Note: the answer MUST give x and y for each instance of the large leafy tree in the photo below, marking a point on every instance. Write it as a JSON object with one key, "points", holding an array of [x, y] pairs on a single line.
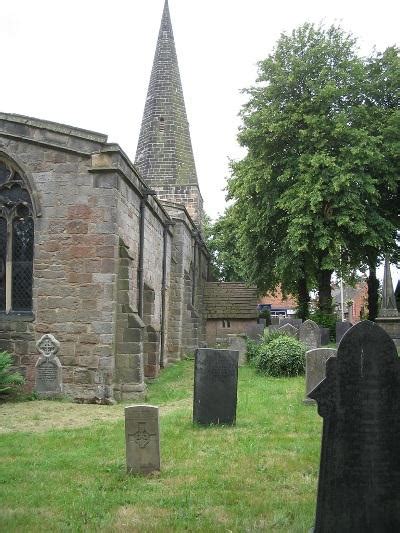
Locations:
{"points": [[306, 194]]}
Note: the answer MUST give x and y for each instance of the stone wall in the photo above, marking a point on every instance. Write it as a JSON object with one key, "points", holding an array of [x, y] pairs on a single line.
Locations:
{"points": [[86, 259]]}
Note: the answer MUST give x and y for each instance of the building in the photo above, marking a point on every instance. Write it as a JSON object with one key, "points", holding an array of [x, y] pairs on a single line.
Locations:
{"points": [[105, 255]]}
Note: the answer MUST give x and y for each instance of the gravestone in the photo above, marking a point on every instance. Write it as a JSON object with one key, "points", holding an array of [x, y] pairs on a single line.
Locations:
{"points": [[215, 386], [310, 334], [296, 322], [238, 343], [325, 336], [290, 330], [272, 328], [274, 320], [254, 331], [316, 368], [341, 329], [359, 400], [142, 439], [48, 370]]}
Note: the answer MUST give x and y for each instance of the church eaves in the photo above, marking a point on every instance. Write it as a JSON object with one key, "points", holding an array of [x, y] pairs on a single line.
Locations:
{"points": [[164, 154]]}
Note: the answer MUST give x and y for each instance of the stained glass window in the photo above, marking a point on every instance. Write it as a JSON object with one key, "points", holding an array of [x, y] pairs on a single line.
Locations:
{"points": [[16, 242]]}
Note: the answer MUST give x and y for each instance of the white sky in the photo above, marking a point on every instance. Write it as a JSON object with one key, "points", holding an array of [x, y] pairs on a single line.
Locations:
{"points": [[87, 63]]}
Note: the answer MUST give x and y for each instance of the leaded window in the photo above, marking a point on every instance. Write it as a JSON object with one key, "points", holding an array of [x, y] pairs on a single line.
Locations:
{"points": [[16, 242]]}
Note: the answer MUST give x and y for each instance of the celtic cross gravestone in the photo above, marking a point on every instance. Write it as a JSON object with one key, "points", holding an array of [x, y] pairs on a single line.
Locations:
{"points": [[48, 367], [142, 437]]}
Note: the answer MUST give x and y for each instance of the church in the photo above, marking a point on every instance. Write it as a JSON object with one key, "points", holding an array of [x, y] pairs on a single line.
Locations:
{"points": [[105, 254]]}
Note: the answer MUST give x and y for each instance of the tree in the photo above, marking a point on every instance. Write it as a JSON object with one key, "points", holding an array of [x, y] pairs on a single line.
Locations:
{"points": [[305, 193]]}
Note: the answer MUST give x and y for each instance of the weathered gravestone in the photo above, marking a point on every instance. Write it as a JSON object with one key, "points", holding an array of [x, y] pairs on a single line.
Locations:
{"points": [[142, 438], [48, 368], [316, 368], [296, 322], [238, 343], [325, 336], [310, 334], [341, 329], [272, 328], [215, 386], [290, 330], [359, 400]]}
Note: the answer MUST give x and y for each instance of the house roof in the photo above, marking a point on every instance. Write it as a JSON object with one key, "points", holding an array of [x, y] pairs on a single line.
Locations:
{"points": [[230, 300], [278, 302]]}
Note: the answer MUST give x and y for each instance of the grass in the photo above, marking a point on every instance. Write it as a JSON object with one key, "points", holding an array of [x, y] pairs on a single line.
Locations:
{"points": [[260, 475]]}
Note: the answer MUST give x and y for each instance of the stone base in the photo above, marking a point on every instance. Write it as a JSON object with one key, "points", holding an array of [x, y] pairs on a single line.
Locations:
{"points": [[309, 401], [392, 327]]}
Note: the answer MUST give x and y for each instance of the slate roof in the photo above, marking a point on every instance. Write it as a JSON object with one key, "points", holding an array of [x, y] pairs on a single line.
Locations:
{"points": [[230, 300]]}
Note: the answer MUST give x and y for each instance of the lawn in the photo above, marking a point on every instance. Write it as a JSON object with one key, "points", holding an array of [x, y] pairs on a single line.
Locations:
{"points": [[63, 465]]}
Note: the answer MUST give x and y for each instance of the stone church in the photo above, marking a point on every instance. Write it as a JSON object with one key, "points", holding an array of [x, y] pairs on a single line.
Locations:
{"points": [[104, 254]]}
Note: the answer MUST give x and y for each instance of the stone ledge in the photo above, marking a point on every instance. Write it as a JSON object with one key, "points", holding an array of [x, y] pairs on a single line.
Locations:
{"points": [[17, 317]]}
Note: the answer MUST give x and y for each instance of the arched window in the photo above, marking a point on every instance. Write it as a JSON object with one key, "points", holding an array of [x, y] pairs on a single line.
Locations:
{"points": [[16, 241]]}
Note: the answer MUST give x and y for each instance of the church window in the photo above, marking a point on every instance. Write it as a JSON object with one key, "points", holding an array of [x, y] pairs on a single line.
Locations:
{"points": [[16, 242]]}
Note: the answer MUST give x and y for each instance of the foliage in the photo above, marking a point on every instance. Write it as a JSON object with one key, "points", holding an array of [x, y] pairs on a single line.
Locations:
{"points": [[9, 380], [266, 314], [316, 189], [282, 356], [222, 242], [325, 321]]}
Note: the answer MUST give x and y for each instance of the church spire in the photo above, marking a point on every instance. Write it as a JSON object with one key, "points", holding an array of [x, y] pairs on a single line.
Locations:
{"points": [[164, 154], [389, 307]]}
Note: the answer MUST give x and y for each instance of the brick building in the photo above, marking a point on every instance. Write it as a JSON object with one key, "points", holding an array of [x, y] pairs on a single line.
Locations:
{"points": [[105, 255]]}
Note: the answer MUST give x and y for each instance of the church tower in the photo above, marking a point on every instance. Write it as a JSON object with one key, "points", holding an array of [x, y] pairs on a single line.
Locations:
{"points": [[164, 154]]}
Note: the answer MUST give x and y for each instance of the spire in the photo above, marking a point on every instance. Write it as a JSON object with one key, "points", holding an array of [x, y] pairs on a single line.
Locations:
{"points": [[164, 154], [389, 307]]}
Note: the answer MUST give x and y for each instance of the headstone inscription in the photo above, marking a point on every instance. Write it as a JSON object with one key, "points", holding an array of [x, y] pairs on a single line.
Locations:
{"points": [[48, 368], [142, 438], [290, 330], [341, 329], [215, 386], [359, 400], [316, 368], [310, 334], [238, 342]]}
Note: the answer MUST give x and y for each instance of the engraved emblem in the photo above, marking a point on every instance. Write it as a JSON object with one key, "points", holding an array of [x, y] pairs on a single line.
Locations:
{"points": [[48, 346], [142, 437]]}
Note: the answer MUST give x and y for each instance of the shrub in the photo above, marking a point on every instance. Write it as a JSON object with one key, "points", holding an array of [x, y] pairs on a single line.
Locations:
{"points": [[9, 380], [252, 351], [282, 356], [326, 321]]}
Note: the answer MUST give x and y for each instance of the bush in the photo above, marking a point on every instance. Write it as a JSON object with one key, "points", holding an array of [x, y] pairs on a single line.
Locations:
{"points": [[252, 351], [326, 321], [265, 313], [281, 356], [9, 380]]}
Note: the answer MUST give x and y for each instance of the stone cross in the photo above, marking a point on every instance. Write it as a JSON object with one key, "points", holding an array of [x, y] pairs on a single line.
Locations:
{"points": [[315, 368], [215, 386], [310, 334], [48, 368], [142, 438], [290, 330], [359, 400]]}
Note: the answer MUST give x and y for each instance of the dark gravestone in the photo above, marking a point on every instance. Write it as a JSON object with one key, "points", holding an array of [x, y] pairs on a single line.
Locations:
{"points": [[215, 386], [325, 336], [341, 329], [359, 400]]}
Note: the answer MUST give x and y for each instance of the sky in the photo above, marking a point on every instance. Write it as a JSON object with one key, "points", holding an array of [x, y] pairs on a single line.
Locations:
{"points": [[87, 63]]}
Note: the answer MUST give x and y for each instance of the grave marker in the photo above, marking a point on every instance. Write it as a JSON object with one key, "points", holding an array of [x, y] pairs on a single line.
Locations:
{"points": [[341, 329], [310, 334], [215, 386], [48, 367], [238, 343], [316, 368], [359, 400], [290, 330], [142, 439]]}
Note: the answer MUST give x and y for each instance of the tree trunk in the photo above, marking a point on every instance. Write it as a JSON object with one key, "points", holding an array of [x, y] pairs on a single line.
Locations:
{"points": [[303, 299], [373, 286], [325, 291]]}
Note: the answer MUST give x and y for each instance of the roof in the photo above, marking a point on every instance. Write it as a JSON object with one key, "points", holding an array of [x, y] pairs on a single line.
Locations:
{"points": [[230, 300], [278, 302]]}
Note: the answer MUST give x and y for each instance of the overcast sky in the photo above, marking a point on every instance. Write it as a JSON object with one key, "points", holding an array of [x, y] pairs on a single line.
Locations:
{"points": [[87, 63]]}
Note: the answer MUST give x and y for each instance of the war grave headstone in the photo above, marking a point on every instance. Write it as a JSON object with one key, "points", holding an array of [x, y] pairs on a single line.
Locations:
{"points": [[341, 329], [310, 334], [238, 342], [215, 386], [296, 322], [142, 438], [325, 336], [359, 401], [316, 368], [290, 330], [48, 370]]}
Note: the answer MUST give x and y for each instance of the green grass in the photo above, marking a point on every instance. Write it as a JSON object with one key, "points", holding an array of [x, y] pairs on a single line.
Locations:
{"points": [[260, 475]]}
